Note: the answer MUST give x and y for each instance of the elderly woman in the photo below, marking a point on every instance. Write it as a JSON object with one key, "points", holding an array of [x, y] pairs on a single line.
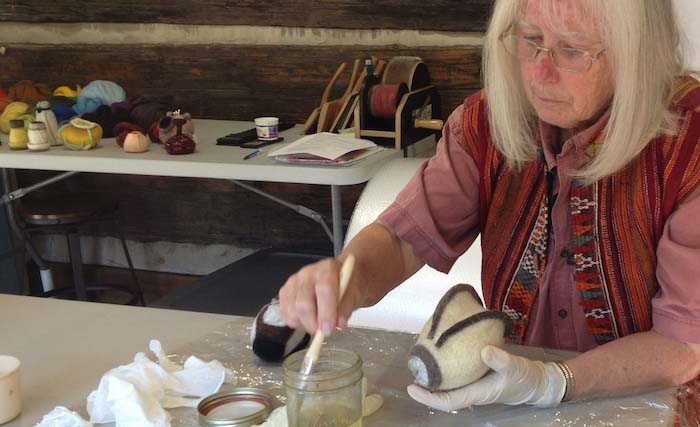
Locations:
{"points": [[579, 164]]}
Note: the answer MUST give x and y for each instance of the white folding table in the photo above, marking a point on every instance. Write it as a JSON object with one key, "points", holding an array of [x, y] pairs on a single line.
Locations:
{"points": [[66, 346], [209, 161]]}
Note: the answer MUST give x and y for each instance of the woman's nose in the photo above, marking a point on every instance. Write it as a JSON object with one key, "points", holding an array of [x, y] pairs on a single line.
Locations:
{"points": [[543, 67]]}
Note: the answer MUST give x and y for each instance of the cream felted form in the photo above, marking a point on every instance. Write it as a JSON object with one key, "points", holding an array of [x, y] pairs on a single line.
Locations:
{"points": [[447, 354], [46, 115]]}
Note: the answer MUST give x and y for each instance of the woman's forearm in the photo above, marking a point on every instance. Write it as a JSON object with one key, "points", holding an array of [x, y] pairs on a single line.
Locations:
{"points": [[384, 260], [636, 362]]}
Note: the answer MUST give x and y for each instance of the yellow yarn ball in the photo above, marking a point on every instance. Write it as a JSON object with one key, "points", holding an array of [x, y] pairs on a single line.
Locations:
{"points": [[67, 91], [11, 112], [80, 134]]}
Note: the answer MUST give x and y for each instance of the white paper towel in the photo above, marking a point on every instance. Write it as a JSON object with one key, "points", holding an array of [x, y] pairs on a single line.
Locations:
{"points": [[63, 417], [137, 394]]}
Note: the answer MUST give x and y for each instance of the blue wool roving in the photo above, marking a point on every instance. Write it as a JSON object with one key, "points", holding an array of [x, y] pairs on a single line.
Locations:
{"points": [[63, 113], [96, 93]]}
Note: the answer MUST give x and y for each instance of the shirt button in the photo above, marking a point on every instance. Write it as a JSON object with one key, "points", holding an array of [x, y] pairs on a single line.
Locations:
{"points": [[563, 313], [569, 256]]}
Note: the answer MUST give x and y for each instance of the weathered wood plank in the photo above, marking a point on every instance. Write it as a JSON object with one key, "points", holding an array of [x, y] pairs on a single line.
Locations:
{"points": [[229, 82], [442, 15], [223, 82]]}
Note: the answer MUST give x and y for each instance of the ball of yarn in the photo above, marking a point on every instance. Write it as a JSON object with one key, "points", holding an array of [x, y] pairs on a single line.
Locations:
{"points": [[66, 91], [79, 134], [107, 118], [96, 93], [4, 102], [29, 92], [147, 109], [121, 129], [154, 132], [63, 113], [123, 105], [11, 112], [63, 100]]}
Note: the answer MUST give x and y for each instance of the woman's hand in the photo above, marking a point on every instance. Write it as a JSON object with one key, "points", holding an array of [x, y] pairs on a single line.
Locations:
{"points": [[309, 298], [513, 381]]}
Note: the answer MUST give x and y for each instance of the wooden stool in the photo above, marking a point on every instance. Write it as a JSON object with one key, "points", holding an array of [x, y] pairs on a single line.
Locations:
{"points": [[68, 214]]}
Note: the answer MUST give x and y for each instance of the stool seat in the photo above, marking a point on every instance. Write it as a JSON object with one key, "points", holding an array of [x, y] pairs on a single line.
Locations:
{"points": [[65, 209], [68, 214]]}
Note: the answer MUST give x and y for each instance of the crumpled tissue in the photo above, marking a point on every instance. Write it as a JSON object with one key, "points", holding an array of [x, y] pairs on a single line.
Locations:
{"points": [[137, 394], [63, 417]]}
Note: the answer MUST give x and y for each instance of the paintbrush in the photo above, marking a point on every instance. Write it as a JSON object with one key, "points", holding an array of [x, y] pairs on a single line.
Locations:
{"points": [[312, 353]]}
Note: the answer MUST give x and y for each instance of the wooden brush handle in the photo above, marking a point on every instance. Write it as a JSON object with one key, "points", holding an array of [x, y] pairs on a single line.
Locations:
{"points": [[434, 124], [315, 348]]}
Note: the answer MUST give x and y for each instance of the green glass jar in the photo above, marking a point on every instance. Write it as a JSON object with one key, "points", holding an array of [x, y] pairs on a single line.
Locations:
{"points": [[331, 396]]}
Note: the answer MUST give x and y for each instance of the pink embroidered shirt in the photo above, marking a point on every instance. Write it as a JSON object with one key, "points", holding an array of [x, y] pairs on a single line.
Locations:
{"points": [[438, 215]]}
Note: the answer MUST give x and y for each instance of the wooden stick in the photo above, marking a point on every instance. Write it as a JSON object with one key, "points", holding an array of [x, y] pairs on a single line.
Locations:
{"points": [[312, 353]]}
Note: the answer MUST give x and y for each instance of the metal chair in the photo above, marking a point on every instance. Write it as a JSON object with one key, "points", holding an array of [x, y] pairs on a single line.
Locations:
{"points": [[70, 214]]}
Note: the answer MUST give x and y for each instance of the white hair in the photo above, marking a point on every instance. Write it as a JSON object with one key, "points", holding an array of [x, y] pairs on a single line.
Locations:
{"points": [[643, 47]]}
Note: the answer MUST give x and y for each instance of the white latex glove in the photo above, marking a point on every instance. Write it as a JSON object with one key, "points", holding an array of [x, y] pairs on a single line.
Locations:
{"points": [[513, 381]]}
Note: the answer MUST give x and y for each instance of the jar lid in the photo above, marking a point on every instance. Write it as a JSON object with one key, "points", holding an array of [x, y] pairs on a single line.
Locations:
{"points": [[240, 407]]}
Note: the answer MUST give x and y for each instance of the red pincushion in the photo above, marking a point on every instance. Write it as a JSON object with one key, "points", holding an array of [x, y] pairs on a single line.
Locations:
{"points": [[180, 144]]}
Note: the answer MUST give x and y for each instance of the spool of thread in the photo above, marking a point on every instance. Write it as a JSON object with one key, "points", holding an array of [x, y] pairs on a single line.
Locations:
{"points": [[38, 137], [18, 135], [384, 99]]}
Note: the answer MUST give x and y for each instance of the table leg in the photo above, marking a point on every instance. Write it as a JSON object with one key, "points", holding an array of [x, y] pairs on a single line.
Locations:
{"points": [[76, 260], [310, 213], [7, 199], [337, 216]]}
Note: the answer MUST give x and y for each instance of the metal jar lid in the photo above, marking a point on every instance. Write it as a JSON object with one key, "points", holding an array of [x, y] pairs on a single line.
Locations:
{"points": [[241, 407]]}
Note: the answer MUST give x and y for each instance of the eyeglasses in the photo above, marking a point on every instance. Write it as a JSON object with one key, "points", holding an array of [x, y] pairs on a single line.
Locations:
{"points": [[564, 58]]}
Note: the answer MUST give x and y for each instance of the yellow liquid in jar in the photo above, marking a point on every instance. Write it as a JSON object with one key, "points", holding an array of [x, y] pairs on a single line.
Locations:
{"points": [[329, 416]]}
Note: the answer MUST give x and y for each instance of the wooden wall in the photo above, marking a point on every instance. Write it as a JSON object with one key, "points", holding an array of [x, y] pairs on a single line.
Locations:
{"points": [[233, 81], [442, 15]]}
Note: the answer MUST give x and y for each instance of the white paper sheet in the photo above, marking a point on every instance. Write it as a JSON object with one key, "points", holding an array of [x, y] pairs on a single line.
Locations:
{"points": [[324, 144]]}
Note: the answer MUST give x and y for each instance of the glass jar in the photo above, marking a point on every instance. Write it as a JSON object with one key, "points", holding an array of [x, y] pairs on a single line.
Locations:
{"points": [[331, 396]]}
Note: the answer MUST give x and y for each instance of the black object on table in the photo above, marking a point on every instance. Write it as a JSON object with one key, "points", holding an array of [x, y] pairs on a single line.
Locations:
{"points": [[249, 135]]}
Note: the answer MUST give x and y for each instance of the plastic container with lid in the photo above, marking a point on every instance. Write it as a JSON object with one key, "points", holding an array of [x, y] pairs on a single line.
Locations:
{"points": [[331, 396]]}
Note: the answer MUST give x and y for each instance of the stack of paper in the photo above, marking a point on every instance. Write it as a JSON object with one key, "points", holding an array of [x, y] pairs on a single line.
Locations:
{"points": [[326, 148]]}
